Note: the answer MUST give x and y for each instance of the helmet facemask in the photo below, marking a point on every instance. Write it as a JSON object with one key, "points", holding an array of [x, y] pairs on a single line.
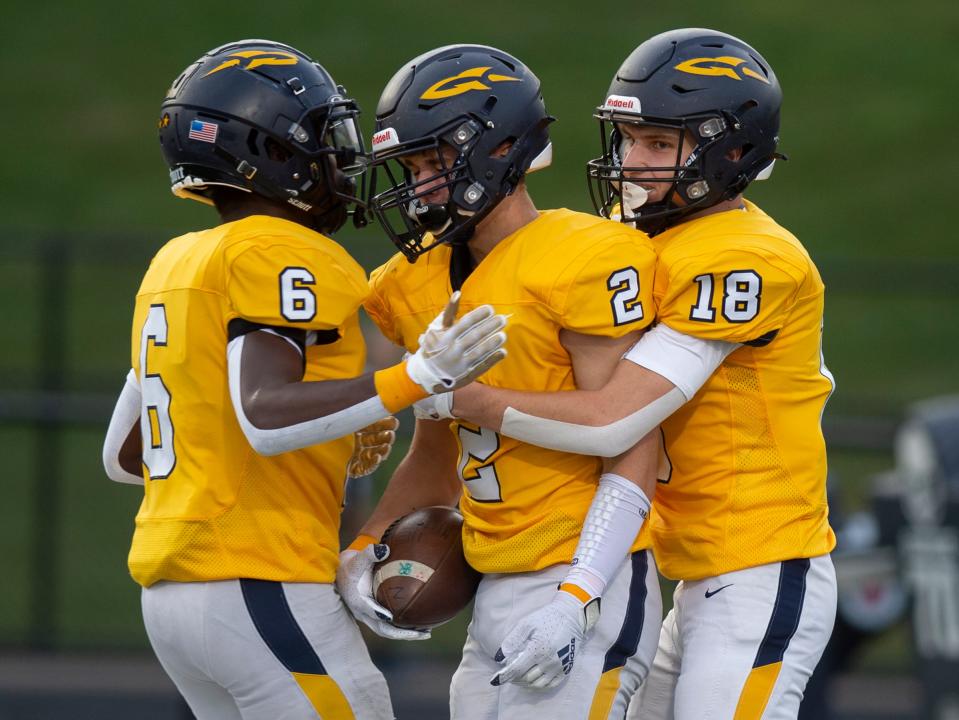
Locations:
{"points": [[469, 171], [617, 189], [408, 209], [337, 167]]}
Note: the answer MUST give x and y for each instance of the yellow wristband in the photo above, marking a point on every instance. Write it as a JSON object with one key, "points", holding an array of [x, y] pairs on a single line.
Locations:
{"points": [[396, 389], [576, 591], [361, 542]]}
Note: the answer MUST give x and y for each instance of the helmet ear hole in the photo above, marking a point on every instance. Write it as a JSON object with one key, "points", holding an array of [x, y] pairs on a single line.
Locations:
{"points": [[251, 142], [276, 152], [503, 148], [737, 153]]}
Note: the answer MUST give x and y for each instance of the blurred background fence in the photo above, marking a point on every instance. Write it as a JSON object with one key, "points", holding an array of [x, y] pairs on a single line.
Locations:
{"points": [[868, 122]]}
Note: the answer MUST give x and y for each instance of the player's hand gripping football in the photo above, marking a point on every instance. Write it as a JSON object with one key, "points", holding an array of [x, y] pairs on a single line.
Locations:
{"points": [[454, 352], [539, 652], [372, 445], [354, 582]]}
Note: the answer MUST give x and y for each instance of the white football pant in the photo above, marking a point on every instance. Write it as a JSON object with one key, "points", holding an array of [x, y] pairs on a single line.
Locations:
{"points": [[607, 670], [261, 650], [742, 645]]}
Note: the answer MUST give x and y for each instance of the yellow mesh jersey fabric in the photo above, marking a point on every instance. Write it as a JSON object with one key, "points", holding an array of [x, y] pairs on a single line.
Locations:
{"points": [[748, 461], [523, 505], [224, 511]]}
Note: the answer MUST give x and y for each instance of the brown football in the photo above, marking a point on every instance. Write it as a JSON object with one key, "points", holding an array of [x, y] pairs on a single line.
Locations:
{"points": [[426, 580]]}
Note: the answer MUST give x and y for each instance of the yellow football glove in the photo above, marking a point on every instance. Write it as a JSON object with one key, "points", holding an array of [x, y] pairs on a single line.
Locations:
{"points": [[372, 446]]}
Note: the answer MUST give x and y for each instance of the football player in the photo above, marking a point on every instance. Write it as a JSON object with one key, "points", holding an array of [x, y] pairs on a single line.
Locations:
{"points": [[733, 370], [247, 388], [457, 131]]}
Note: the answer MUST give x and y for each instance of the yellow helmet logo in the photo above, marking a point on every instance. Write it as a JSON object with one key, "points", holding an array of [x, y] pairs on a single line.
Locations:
{"points": [[257, 58], [464, 82], [726, 65]]}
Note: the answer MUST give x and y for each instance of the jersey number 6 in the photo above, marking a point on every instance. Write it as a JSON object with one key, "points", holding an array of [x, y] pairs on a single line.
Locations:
{"points": [[156, 427]]}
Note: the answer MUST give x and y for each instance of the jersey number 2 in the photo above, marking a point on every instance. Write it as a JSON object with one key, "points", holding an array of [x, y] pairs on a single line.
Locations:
{"points": [[479, 445], [627, 307], [156, 427]]}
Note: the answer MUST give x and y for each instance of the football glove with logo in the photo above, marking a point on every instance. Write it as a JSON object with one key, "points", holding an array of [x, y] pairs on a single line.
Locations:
{"points": [[539, 652], [354, 582], [454, 353]]}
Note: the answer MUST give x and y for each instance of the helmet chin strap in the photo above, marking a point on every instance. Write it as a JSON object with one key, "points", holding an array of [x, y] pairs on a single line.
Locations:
{"points": [[433, 217]]}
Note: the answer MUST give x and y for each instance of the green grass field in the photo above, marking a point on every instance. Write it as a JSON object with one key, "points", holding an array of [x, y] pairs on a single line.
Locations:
{"points": [[867, 124]]}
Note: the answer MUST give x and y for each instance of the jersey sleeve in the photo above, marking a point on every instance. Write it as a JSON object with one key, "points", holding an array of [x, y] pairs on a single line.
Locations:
{"points": [[294, 286], [378, 308], [735, 295], [607, 290]]}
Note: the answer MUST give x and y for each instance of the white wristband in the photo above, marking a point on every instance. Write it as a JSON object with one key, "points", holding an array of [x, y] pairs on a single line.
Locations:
{"points": [[615, 518]]}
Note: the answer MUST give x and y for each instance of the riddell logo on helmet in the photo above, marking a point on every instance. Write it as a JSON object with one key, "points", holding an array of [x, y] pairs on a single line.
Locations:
{"points": [[622, 102], [725, 66], [258, 57], [385, 138], [449, 87]]}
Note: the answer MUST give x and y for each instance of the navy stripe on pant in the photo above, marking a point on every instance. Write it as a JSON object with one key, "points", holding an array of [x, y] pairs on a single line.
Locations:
{"points": [[786, 612], [629, 635], [274, 620]]}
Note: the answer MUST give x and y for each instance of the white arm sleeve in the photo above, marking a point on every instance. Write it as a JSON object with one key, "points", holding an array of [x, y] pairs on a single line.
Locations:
{"points": [[685, 361], [311, 432], [616, 514], [126, 416]]}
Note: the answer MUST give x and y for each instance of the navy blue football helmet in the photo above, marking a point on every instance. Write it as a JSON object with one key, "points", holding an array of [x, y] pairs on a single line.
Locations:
{"points": [[707, 86], [475, 104], [262, 117]]}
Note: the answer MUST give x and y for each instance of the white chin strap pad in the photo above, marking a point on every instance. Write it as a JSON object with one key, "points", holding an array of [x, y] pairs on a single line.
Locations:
{"points": [[634, 196]]}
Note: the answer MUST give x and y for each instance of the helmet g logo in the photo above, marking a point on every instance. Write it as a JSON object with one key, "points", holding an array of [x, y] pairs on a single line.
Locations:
{"points": [[725, 65], [261, 57], [459, 84]]}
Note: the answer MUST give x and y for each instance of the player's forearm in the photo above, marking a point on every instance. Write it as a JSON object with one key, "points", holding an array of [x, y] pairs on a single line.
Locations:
{"points": [[410, 489], [121, 447], [279, 412], [604, 422], [425, 477], [297, 402], [486, 406], [639, 464]]}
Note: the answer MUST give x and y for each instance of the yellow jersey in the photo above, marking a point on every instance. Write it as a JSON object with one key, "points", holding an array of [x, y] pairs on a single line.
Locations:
{"points": [[746, 459], [524, 506], [213, 508]]}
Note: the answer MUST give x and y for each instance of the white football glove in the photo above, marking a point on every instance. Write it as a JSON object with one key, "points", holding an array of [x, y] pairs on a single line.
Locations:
{"points": [[434, 407], [452, 352], [354, 581], [539, 652], [372, 445]]}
